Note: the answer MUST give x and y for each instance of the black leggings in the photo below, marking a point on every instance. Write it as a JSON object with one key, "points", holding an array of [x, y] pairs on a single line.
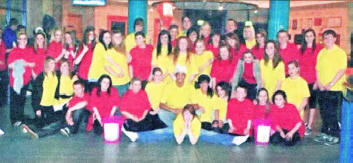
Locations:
{"points": [[151, 122], [276, 138]]}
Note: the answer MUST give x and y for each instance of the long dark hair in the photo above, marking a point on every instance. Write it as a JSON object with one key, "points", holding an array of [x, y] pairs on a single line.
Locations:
{"points": [[85, 36], [204, 78], [210, 41], [263, 33], [159, 43], [99, 84], [267, 101], [75, 42], [234, 37], [276, 58], [100, 38], [305, 44], [226, 87], [35, 46]]}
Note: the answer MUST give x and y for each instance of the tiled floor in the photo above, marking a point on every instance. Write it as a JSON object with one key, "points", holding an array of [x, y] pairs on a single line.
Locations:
{"points": [[86, 147]]}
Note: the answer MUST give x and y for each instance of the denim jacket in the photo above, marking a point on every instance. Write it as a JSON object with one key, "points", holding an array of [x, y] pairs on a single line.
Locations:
{"points": [[240, 70]]}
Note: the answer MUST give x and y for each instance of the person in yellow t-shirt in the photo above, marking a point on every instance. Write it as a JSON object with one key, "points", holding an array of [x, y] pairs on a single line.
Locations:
{"points": [[155, 88], [272, 68], [182, 56], [130, 41], [330, 68], [187, 123], [100, 51], [203, 59], [249, 35], [116, 63], [66, 81], [175, 96], [162, 55], [296, 88], [223, 91], [204, 98]]}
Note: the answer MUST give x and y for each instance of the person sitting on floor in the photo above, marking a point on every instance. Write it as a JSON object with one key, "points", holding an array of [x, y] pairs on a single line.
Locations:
{"points": [[187, 123]]}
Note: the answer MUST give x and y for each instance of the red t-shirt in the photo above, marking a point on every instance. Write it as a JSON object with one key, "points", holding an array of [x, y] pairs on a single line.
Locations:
{"points": [[214, 50], [25, 54], [141, 61], [105, 102], [288, 54], [85, 63], [286, 117], [2, 56], [135, 103], [174, 42], [307, 63], [240, 112], [40, 56], [206, 39], [222, 70], [71, 58], [260, 112], [258, 52], [236, 54], [55, 49], [248, 74], [75, 100]]}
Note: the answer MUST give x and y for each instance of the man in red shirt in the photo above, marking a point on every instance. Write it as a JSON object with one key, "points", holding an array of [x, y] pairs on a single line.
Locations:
{"points": [[287, 50], [239, 112], [76, 112], [141, 58]]}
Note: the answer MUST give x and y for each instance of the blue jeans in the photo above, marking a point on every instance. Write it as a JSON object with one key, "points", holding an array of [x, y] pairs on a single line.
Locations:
{"points": [[216, 138], [155, 135], [122, 88], [167, 117]]}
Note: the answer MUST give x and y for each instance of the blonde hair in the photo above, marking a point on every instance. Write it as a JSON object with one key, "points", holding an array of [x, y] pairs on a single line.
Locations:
{"points": [[52, 34], [252, 31]]}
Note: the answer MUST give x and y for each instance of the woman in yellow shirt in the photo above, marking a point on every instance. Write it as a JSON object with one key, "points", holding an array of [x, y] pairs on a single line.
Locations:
{"points": [[99, 53], [272, 68], [182, 56], [65, 87], [223, 90], [155, 88], [187, 123], [162, 54], [203, 59], [116, 63]]}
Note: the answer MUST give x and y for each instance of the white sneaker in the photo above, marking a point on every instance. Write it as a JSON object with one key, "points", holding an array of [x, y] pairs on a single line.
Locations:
{"points": [[17, 124], [132, 135], [2, 132]]}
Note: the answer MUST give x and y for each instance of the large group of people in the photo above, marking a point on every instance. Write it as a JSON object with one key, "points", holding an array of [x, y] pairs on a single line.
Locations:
{"points": [[193, 83]]}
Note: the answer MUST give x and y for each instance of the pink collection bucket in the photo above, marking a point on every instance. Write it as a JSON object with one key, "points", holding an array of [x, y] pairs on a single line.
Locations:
{"points": [[262, 131], [112, 129]]}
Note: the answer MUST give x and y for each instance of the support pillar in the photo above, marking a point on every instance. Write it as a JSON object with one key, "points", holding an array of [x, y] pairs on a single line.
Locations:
{"points": [[137, 9], [278, 17]]}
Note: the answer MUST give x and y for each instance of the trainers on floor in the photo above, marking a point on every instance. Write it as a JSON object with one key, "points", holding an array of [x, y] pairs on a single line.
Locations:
{"points": [[321, 138], [30, 131], [65, 131], [131, 135], [332, 141], [17, 124], [2, 132], [308, 131]]}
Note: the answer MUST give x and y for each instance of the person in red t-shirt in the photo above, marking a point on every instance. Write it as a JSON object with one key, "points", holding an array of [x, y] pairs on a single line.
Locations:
{"points": [[214, 43], [287, 50], [40, 52], [259, 49], [174, 32], [193, 35], [71, 46], [141, 59], [248, 74], [240, 113], [262, 107], [233, 43], [307, 62], [21, 64], [285, 120], [103, 103], [135, 108], [76, 112], [56, 48], [222, 67]]}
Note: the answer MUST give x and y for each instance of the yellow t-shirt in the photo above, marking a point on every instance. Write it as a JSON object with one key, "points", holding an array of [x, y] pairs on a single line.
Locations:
{"points": [[179, 126], [250, 44], [200, 60], [221, 106], [98, 60], [66, 88], [163, 61], [49, 85], [296, 89], [154, 92], [130, 41], [207, 103], [329, 62], [121, 60], [271, 75], [177, 97]]}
